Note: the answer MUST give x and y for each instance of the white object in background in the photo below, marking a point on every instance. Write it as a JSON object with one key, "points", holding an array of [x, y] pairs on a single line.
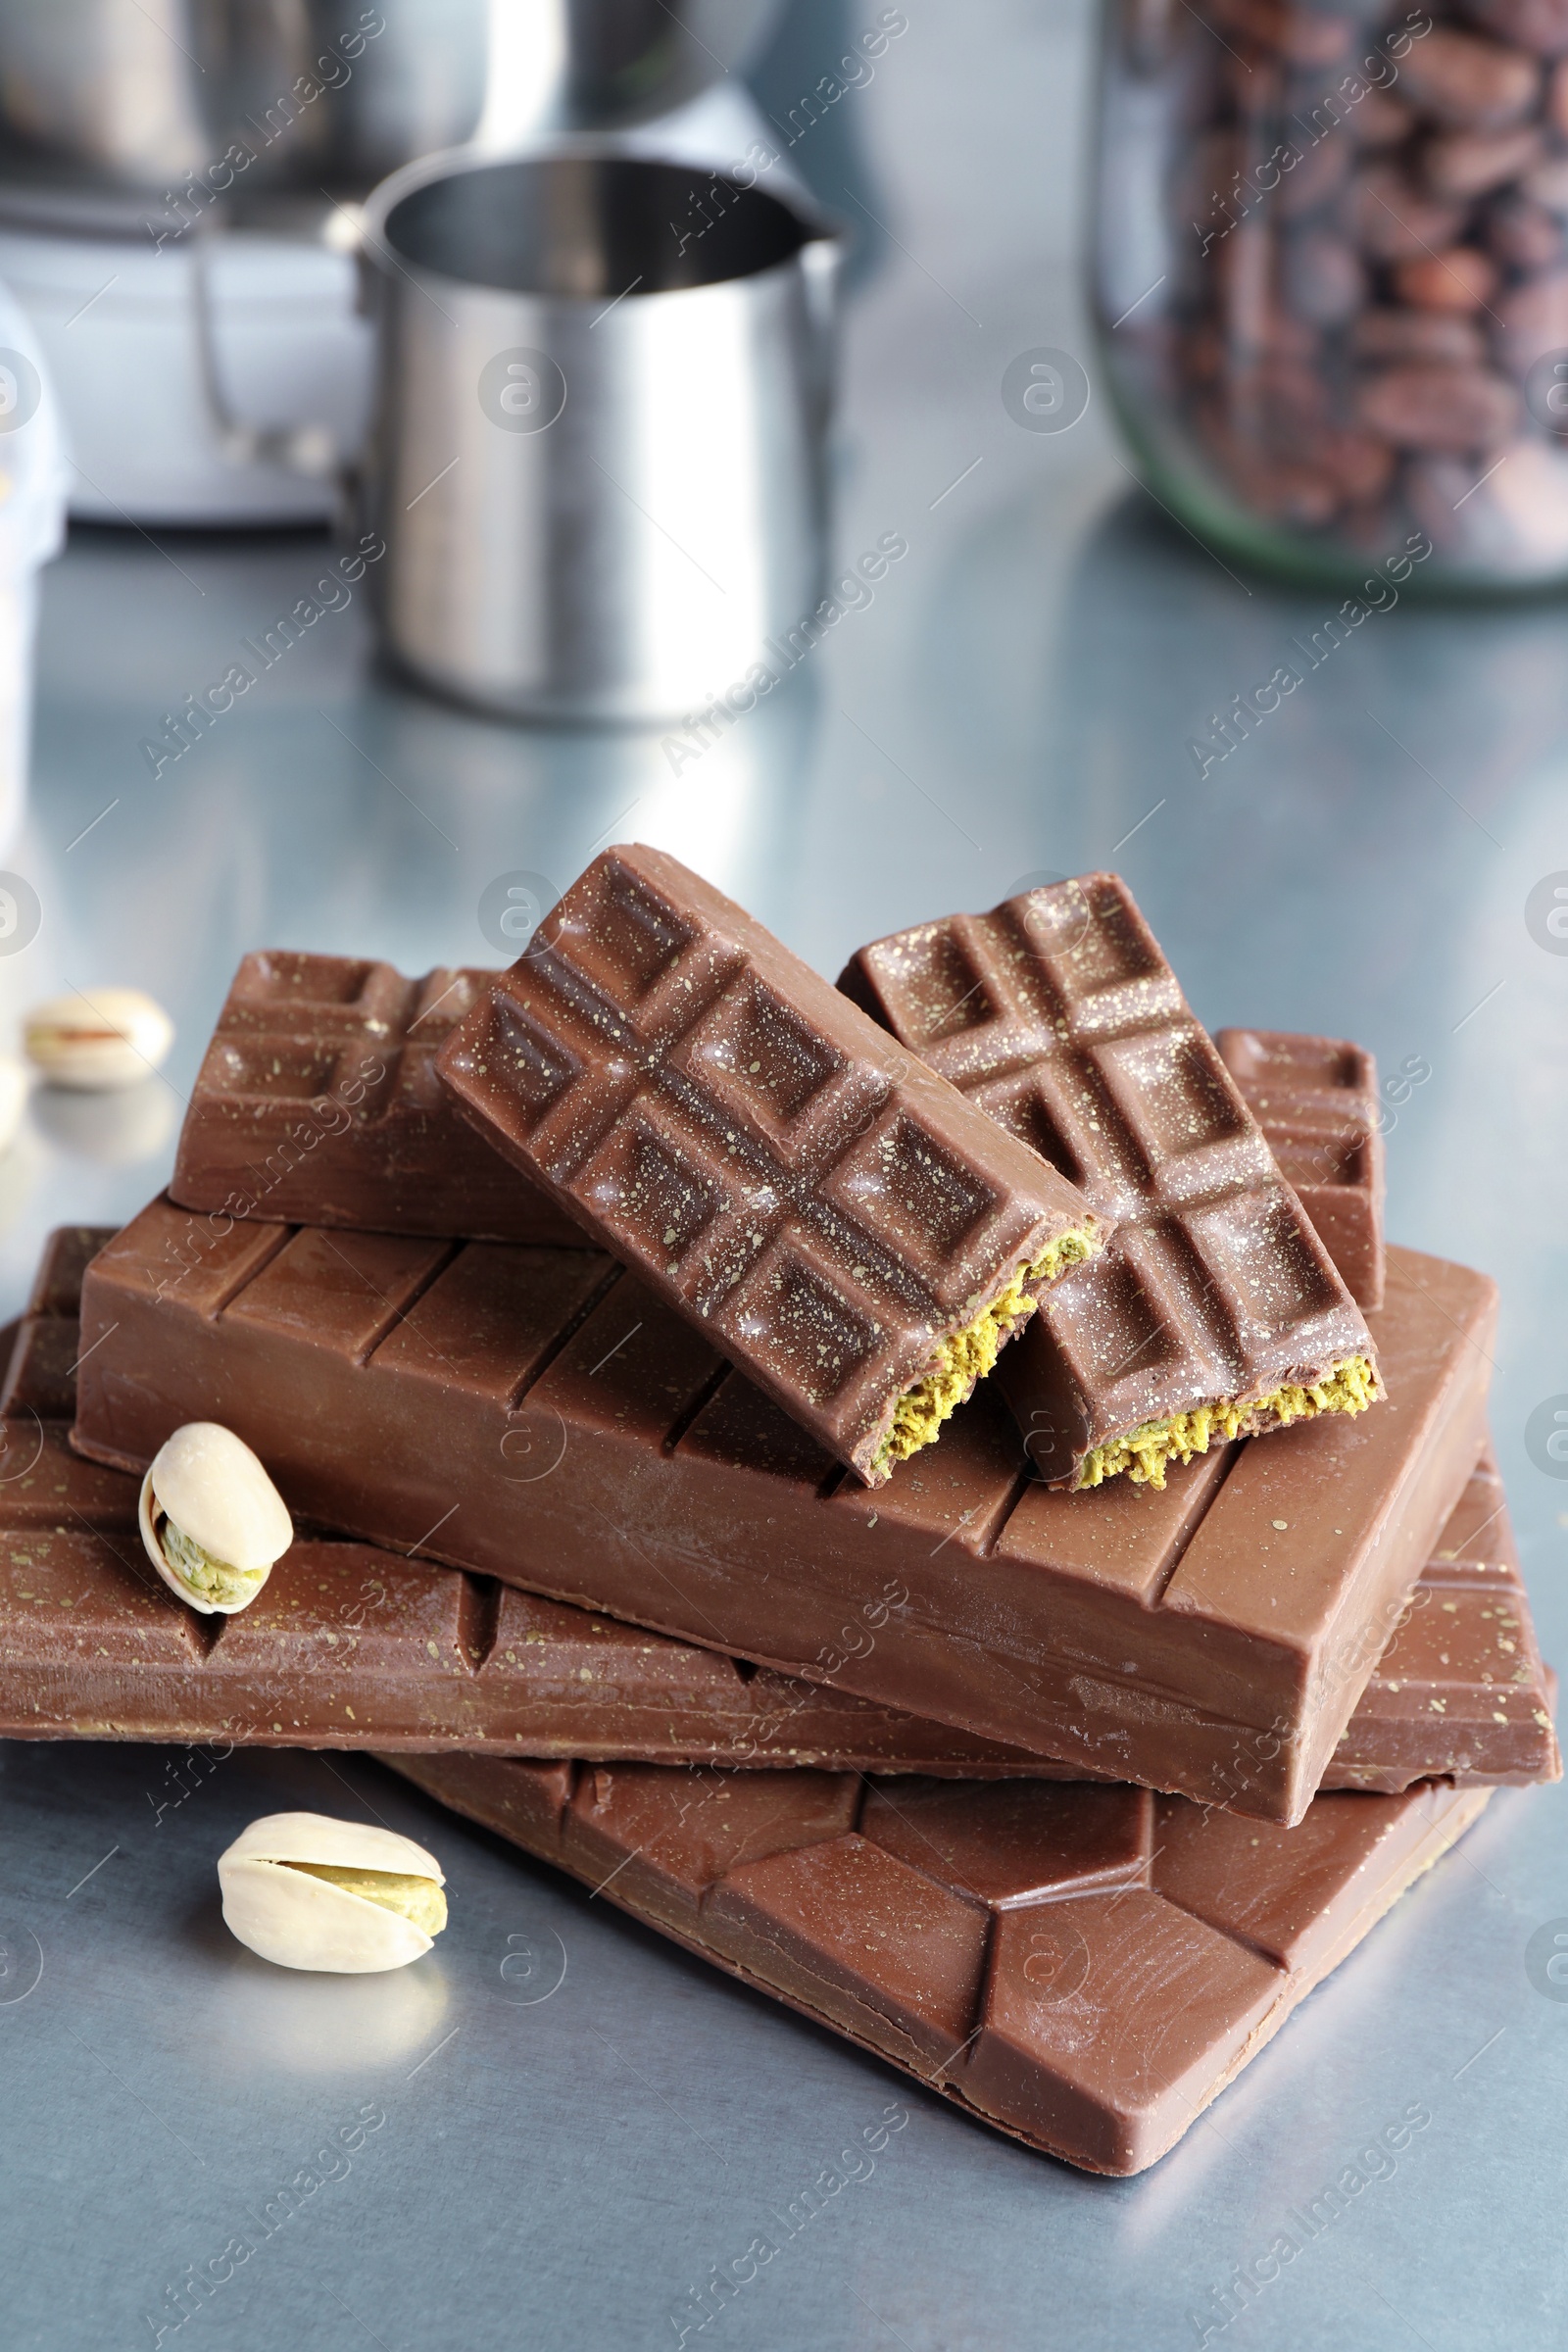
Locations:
{"points": [[119, 326], [32, 515], [95, 1040], [14, 1090]]}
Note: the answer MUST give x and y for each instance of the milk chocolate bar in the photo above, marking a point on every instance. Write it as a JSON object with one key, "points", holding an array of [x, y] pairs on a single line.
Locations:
{"points": [[318, 1098], [1084, 1968], [349, 1646], [1214, 1311], [819, 1206], [1316, 1101], [541, 1417]]}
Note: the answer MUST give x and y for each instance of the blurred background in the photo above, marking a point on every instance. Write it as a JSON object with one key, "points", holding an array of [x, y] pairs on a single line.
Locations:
{"points": [[1029, 662]]}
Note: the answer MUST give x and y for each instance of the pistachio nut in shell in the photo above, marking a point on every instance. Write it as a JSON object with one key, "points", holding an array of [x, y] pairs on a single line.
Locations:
{"points": [[99, 1037], [307, 1892], [213, 1522]]}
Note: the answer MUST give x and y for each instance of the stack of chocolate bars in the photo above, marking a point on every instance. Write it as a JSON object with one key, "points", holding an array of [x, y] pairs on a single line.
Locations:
{"points": [[931, 1492]]}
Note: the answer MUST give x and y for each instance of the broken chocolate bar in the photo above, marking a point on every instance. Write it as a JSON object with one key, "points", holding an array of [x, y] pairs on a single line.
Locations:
{"points": [[540, 1416], [822, 1209], [1316, 1101], [350, 1646], [318, 1098], [1083, 1968], [1214, 1311]]}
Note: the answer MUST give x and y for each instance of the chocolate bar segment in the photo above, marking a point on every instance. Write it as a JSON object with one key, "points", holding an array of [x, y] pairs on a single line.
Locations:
{"points": [[1083, 1968], [349, 1646], [318, 1098], [1316, 1101], [1214, 1311], [539, 1416], [833, 1217]]}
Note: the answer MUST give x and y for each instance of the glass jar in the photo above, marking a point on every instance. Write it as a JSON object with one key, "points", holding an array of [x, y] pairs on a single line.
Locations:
{"points": [[1331, 257]]}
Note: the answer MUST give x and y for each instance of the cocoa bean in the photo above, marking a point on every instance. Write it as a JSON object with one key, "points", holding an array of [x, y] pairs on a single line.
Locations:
{"points": [[1418, 336], [1392, 219], [1523, 235], [1537, 25], [1380, 120], [1460, 279], [1447, 410], [1472, 163], [1472, 83]]}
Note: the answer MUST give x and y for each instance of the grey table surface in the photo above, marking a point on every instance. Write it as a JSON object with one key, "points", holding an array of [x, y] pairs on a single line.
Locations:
{"points": [[1017, 700]]}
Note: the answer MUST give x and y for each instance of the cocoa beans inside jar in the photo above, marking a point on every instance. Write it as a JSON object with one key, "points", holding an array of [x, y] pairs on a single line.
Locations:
{"points": [[1332, 277]]}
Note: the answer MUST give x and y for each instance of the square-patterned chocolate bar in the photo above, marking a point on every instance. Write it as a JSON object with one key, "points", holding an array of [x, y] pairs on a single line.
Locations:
{"points": [[834, 1217], [1316, 1101], [318, 1100], [1216, 1311]]}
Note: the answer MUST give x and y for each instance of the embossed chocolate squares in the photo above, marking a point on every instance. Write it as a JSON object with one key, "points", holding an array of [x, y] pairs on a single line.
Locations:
{"points": [[835, 1219], [1316, 1099], [1214, 1311], [317, 1097]]}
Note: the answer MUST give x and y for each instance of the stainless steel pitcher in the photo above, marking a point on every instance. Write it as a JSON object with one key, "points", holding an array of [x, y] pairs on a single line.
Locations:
{"points": [[598, 458]]}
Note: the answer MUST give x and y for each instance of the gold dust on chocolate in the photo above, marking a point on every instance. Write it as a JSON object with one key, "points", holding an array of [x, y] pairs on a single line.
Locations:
{"points": [[850, 1231], [1214, 1311]]}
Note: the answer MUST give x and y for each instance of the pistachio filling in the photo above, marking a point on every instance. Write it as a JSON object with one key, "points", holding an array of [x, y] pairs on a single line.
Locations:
{"points": [[968, 1356], [213, 1579], [1349, 1387], [420, 1900]]}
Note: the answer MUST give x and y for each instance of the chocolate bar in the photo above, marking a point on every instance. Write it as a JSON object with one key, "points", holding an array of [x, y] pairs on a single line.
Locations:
{"points": [[1215, 1311], [821, 1207], [541, 1417], [318, 1098], [1316, 1101], [1083, 1968], [356, 1646]]}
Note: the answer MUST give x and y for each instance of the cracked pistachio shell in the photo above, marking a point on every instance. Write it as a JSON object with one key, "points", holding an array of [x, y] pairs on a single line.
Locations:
{"points": [[99, 1038], [297, 1921], [211, 1487]]}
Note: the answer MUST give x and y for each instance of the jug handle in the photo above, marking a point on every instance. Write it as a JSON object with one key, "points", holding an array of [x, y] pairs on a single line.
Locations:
{"points": [[303, 448], [821, 262]]}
